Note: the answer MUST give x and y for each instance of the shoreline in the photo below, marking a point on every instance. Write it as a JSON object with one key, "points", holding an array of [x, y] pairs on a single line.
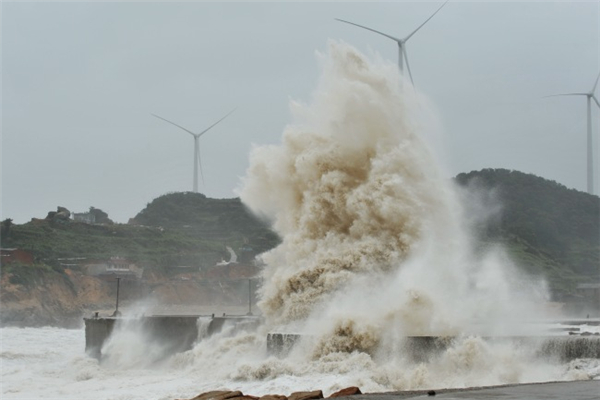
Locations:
{"points": [[588, 389]]}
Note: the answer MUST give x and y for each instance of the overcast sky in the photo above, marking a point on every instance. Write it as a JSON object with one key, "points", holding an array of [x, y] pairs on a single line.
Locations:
{"points": [[80, 81]]}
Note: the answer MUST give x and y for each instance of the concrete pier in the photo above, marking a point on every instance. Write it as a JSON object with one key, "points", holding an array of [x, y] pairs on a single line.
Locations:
{"points": [[97, 330], [178, 333], [175, 333]]}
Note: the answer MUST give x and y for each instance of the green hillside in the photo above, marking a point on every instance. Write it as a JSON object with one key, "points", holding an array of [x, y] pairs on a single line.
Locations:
{"points": [[178, 229], [548, 228], [223, 221]]}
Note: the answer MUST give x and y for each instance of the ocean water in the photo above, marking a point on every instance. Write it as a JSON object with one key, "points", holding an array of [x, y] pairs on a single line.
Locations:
{"points": [[50, 363], [375, 247]]}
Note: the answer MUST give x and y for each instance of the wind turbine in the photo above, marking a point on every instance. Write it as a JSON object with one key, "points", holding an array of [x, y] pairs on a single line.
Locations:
{"points": [[590, 151], [402, 56], [196, 136]]}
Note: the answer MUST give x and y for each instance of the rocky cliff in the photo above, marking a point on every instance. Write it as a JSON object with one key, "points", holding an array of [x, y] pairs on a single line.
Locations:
{"points": [[51, 299], [44, 296]]}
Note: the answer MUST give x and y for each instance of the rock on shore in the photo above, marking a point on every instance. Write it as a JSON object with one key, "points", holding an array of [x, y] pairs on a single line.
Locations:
{"points": [[237, 395]]}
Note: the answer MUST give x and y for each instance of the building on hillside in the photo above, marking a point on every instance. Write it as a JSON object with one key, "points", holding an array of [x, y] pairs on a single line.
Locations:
{"points": [[86, 217], [9, 256], [115, 267]]}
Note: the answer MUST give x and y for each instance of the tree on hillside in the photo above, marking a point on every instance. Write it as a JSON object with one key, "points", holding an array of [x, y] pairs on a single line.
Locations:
{"points": [[227, 221], [100, 216], [6, 227]]}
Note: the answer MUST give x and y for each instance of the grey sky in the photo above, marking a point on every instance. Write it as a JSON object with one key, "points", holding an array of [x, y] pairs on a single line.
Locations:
{"points": [[80, 80]]}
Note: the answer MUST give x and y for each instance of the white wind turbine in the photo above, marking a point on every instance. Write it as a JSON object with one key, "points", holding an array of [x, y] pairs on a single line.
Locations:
{"points": [[590, 150], [196, 136], [402, 56]]}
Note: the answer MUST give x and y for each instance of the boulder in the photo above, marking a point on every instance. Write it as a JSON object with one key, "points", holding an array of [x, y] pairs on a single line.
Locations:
{"points": [[60, 215], [317, 394], [349, 391], [273, 397], [218, 395]]}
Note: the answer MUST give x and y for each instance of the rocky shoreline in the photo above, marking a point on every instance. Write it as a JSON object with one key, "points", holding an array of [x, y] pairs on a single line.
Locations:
{"points": [[237, 395], [576, 390]]}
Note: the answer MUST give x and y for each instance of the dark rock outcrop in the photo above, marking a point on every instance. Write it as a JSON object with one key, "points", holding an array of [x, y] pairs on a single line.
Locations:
{"points": [[237, 395], [314, 395], [218, 395], [273, 397], [349, 391]]}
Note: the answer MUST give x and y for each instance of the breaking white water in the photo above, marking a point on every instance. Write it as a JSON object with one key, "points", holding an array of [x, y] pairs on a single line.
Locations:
{"points": [[374, 241], [50, 363], [374, 248]]}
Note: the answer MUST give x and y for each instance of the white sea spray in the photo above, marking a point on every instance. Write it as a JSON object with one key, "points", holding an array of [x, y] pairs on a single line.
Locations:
{"points": [[374, 243]]}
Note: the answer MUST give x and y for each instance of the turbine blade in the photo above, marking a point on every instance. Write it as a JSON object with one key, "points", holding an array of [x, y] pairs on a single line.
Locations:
{"points": [[427, 20], [408, 65], [369, 29], [596, 100], [207, 129], [173, 123], [595, 84], [567, 94]]}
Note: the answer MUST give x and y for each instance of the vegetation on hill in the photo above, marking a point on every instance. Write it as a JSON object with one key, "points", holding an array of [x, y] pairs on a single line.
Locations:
{"points": [[223, 220], [548, 228], [178, 229]]}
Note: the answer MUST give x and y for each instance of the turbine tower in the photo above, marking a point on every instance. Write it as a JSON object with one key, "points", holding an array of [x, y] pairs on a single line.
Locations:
{"points": [[197, 163], [590, 149], [402, 56]]}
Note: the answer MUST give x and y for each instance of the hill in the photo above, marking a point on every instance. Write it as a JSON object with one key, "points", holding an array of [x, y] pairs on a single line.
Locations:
{"points": [[173, 230], [178, 239], [222, 220], [548, 229]]}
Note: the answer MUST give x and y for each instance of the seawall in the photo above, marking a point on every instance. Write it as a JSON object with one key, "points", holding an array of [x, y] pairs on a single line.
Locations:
{"points": [[421, 348], [176, 333]]}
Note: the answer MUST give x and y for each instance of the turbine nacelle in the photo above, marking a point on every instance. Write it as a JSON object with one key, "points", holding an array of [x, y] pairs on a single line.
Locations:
{"points": [[197, 163], [402, 55], [590, 155]]}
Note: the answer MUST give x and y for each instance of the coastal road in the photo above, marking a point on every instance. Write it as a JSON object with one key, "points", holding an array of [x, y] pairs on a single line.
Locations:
{"points": [[579, 390]]}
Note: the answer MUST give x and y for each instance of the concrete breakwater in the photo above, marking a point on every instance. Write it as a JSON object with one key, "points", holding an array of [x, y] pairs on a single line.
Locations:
{"points": [[421, 348], [175, 333]]}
